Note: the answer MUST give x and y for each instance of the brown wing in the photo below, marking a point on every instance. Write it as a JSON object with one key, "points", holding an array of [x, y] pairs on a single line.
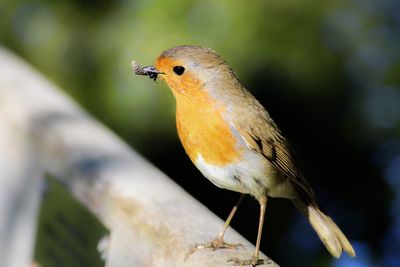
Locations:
{"points": [[261, 134], [273, 147]]}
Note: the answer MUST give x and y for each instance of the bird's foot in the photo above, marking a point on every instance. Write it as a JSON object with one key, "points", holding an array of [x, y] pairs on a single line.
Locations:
{"points": [[217, 243], [254, 261]]}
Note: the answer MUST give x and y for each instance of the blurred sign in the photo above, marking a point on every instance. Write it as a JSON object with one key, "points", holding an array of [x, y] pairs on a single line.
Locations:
{"points": [[68, 234]]}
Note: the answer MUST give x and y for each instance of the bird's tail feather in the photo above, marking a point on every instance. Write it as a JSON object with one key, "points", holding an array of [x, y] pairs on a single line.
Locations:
{"points": [[329, 233]]}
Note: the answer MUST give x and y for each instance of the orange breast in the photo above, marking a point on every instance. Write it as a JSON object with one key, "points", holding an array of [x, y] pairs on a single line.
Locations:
{"points": [[203, 130], [200, 123]]}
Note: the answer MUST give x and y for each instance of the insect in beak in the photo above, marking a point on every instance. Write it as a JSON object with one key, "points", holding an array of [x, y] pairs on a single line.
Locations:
{"points": [[150, 71]]}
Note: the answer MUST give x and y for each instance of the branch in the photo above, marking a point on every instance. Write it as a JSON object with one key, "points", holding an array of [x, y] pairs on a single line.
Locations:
{"points": [[152, 220]]}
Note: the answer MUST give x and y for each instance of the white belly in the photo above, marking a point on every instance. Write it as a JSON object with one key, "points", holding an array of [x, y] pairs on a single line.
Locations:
{"points": [[251, 175]]}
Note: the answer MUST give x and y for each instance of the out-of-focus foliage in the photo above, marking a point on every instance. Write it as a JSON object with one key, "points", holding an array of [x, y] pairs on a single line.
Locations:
{"points": [[86, 48], [328, 72]]}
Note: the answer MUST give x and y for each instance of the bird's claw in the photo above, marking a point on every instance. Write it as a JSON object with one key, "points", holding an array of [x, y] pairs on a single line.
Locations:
{"points": [[214, 245], [220, 244], [252, 262]]}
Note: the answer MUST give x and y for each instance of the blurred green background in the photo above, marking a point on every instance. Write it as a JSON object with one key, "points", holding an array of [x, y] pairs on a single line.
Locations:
{"points": [[327, 71]]}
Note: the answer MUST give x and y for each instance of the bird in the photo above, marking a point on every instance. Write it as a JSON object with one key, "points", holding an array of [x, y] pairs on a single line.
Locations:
{"points": [[233, 141]]}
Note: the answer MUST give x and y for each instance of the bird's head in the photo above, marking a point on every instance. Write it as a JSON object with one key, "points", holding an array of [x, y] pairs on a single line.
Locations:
{"points": [[189, 70]]}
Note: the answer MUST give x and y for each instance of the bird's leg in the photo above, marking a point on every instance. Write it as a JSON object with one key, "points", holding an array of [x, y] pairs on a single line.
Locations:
{"points": [[255, 260], [218, 242]]}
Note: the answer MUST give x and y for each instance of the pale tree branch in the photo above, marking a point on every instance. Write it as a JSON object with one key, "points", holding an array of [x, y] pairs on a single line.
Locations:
{"points": [[152, 220]]}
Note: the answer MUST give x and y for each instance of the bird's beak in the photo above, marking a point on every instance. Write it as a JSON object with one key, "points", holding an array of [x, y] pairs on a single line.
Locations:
{"points": [[151, 69], [152, 72]]}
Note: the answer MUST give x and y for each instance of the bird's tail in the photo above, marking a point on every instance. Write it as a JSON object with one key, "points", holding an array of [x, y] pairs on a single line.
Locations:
{"points": [[329, 233]]}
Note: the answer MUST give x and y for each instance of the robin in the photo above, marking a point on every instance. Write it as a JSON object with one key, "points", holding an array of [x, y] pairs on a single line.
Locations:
{"points": [[234, 142]]}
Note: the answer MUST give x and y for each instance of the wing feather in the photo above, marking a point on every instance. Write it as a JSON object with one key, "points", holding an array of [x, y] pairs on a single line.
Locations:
{"points": [[262, 135]]}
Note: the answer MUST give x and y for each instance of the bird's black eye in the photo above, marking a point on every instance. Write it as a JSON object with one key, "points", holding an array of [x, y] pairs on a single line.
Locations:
{"points": [[179, 70]]}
